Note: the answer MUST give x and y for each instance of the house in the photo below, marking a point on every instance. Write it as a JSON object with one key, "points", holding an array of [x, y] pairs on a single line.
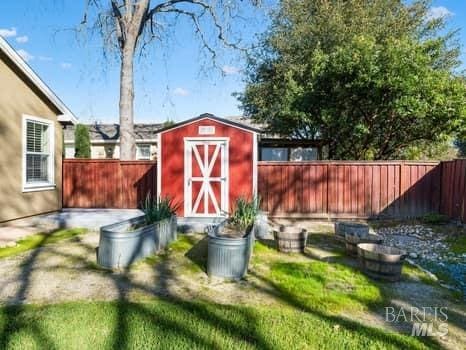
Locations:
{"points": [[105, 140], [31, 121]]}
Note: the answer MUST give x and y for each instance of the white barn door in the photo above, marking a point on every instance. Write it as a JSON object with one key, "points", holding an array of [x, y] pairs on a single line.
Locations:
{"points": [[206, 177]]}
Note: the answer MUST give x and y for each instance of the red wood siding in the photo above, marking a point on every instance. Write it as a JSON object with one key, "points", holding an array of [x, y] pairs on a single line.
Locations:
{"points": [[349, 189], [240, 155], [453, 195], [100, 183]]}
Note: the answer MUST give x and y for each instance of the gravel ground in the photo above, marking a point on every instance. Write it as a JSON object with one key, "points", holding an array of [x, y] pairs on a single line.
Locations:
{"points": [[428, 248]]}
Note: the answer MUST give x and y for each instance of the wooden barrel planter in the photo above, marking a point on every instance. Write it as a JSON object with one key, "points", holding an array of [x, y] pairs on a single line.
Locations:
{"points": [[228, 257], [120, 245], [350, 227], [290, 240], [381, 262], [352, 241]]}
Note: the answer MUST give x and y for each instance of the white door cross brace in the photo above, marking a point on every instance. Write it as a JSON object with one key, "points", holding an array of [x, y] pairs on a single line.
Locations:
{"points": [[206, 165]]}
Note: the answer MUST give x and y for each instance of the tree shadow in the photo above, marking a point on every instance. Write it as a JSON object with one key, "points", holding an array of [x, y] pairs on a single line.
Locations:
{"points": [[164, 281], [198, 253]]}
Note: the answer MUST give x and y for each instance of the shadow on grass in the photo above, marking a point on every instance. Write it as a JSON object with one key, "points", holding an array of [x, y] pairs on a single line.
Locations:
{"points": [[243, 329], [198, 253]]}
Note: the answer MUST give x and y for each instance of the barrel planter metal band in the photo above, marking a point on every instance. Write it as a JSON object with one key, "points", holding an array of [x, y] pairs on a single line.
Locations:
{"points": [[352, 241], [381, 262], [119, 246], [229, 257], [350, 227], [290, 240]]}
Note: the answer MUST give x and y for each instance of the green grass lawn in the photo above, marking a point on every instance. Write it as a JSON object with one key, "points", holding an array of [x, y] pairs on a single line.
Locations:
{"points": [[311, 304], [40, 239], [175, 324]]}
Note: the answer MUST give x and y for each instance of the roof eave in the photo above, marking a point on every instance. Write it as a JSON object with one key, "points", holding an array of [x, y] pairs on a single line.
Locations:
{"points": [[67, 115]]}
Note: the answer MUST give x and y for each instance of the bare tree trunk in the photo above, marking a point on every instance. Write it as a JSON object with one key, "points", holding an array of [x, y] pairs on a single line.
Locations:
{"points": [[127, 140]]}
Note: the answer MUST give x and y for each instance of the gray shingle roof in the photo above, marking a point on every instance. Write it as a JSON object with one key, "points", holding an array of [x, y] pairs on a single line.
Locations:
{"points": [[111, 132]]}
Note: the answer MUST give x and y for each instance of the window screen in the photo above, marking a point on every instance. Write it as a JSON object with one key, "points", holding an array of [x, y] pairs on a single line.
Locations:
{"points": [[38, 151], [143, 151]]}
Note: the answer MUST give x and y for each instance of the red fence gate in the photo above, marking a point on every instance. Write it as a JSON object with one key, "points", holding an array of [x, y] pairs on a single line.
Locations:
{"points": [[98, 183], [453, 201]]}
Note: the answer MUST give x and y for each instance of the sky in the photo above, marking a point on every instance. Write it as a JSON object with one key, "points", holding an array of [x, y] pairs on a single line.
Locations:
{"points": [[172, 81]]}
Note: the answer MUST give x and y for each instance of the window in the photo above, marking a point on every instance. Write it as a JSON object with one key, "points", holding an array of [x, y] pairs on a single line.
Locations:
{"points": [[38, 154], [303, 154], [143, 152], [274, 153], [109, 151]]}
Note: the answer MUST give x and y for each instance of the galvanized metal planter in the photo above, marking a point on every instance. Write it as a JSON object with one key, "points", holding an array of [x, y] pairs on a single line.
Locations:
{"points": [[381, 262], [262, 225], [350, 227], [119, 246], [228, 257]]}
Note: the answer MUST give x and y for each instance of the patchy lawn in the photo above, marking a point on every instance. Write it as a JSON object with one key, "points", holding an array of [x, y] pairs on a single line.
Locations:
{"points": [[316, 300], [39, 240]]}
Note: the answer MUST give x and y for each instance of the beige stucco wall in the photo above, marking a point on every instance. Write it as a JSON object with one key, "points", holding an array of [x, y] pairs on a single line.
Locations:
{"points": [[18, 97]]}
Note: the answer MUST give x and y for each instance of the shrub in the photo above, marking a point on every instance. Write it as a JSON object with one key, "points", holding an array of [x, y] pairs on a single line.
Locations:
{"points": [[158, 209], [435, 218], [82, 142], [245, 213]]}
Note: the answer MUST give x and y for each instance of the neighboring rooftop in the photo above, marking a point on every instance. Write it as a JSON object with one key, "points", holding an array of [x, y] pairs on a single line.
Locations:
{"points": [[111, 132]]}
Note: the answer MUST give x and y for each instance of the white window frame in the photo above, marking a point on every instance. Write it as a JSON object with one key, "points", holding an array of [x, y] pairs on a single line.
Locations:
{"points": [[46, 185], [138, 151]]}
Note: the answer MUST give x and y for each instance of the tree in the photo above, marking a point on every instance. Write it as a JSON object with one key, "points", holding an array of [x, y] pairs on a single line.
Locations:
{"points": [[369, 77], [82, 142], [131, 25]]}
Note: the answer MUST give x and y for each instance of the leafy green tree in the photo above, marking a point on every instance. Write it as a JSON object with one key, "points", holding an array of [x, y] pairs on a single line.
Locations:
{"points": [[82, 142], [370, 77]]}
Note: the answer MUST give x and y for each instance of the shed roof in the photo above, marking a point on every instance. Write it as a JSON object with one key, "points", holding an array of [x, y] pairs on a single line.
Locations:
{"points": [[237, 124]]}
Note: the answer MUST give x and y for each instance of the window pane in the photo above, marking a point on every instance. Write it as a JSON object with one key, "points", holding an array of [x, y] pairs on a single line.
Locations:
{"points": [[143, 151], [37, 168], [37, 137], [274, 153], [301, 154]]}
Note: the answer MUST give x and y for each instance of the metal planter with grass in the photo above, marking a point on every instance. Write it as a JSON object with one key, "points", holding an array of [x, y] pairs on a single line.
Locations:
{"points": [[128, 241], [228, 257]]}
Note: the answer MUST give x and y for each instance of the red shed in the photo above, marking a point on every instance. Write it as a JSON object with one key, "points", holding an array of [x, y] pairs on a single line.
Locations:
{"points": [[206, 163]]}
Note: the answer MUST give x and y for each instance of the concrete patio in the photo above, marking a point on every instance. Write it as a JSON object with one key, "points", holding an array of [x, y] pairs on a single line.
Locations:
{"points": [[91, 219]]}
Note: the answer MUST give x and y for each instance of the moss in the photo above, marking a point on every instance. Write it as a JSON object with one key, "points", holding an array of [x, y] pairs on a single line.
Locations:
{"points": [[40, 239], [457, 243]]}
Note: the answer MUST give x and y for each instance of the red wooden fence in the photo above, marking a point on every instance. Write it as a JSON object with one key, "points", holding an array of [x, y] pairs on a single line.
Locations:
{"points": [[349, 189], [453, 199], [101, 183], [307, 189]]}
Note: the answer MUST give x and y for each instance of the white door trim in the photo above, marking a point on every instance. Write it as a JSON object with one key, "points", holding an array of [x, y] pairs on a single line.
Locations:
{"points": [[222, 152]]}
